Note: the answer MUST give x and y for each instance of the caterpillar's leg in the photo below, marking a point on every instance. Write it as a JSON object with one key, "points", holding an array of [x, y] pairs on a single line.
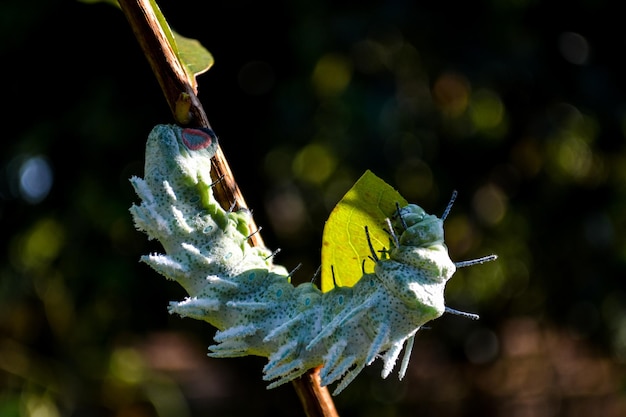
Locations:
{"points": [[230, 349], [332, 358], [237, 332], [285, 327], [196, 308], [382, 336], [407, 355], [348, 379], [338, 321], [341, 368], [285, 373], [284, 365], [283, 361], [390, 358], [232, 342]]}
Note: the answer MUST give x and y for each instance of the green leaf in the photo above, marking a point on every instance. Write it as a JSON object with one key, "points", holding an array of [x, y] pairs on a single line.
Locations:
{"points": [[344, 244], [193, 56], [165, 27]]}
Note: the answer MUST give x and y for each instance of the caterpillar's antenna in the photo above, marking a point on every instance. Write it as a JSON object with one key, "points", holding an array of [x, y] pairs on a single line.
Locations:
{"points": [[332, 271], [449, 206], [393, 233], [478, 261], [369, 242], [471, 316], [363, 266], [399, 214]]}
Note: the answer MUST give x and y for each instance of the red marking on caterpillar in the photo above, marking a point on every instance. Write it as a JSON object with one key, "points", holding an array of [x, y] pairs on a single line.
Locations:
{"points": [[200, 138]]}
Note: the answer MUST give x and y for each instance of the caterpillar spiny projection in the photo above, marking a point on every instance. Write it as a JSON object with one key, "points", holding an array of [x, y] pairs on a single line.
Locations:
{"points": [[257, 311]]}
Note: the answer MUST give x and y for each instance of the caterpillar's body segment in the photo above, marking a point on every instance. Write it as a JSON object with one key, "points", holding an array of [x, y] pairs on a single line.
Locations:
{"points": [[251, 302]]}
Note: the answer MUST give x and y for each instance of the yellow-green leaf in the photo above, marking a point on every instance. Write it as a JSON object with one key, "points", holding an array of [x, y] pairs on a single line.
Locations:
{"points": [[344, 244]]}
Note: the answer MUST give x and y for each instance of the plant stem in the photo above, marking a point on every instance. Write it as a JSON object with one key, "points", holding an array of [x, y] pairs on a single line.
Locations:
{"points": [[316, 400]]}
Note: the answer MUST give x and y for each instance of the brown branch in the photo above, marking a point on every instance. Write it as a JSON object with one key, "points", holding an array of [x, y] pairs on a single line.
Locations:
{"points": [[179, 94], [316, 400]]}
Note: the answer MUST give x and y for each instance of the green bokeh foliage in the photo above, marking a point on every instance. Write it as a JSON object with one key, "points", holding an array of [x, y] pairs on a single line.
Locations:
{"points": [[518, 105]]}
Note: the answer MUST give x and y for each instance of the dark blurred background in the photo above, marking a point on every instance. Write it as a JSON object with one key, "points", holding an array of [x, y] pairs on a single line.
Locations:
{"points": [[517, 104]]}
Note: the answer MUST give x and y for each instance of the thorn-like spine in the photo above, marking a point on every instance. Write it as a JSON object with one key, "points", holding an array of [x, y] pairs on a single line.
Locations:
{"points": [[399, 214], [392, 232], [478, 261], [258, 230], [374, 257], [293, 271], [273, 254], [449, 206], [316, 274], [471, 316]]}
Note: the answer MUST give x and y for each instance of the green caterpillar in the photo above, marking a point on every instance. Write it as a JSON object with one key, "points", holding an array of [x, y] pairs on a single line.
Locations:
{"points": [[257, 311]]}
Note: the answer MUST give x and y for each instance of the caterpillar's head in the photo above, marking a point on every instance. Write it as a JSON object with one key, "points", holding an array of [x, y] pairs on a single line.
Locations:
{"points": [[419, 229], [419, 266], [176, 153]]}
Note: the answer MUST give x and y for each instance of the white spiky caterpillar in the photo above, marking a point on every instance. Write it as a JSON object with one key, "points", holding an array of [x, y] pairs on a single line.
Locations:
{"points": [[257, 311]]}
